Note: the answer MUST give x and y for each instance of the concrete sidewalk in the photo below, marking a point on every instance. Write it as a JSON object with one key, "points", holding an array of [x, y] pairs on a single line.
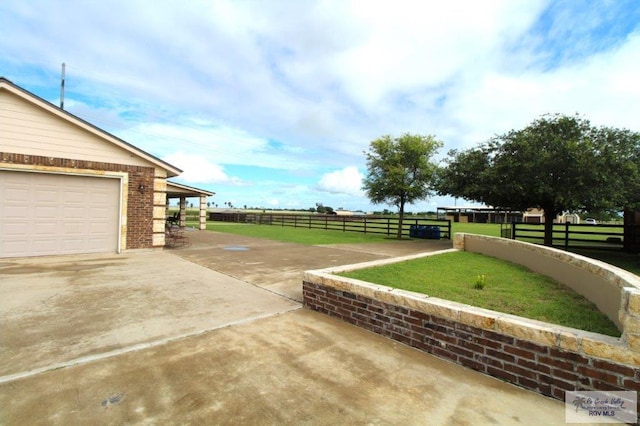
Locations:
{"points": [[151, 338]]}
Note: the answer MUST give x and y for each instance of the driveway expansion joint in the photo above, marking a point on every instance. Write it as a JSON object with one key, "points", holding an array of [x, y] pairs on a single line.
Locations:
{"points": [[133, 348]]}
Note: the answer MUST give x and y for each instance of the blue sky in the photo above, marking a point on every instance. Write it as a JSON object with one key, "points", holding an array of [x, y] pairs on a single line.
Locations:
{"points": [[272, 103]]}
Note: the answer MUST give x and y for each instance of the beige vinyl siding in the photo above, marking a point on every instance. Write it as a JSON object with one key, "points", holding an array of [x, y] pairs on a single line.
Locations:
{"points": [[31, 130]]}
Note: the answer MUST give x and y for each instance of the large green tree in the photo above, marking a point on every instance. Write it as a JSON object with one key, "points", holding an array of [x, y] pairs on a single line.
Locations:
{"points": [[556, 163], [400, 170], [619, 151]]}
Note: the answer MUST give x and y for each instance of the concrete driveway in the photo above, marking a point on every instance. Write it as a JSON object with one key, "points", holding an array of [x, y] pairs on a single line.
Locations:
{"points": [[278, 266], [214, 334]]}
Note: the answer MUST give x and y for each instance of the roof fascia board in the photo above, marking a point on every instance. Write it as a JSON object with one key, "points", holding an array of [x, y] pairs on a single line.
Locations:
{"points": [[180, 186]]}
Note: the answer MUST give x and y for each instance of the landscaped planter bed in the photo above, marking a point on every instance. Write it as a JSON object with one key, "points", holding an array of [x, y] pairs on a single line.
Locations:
{"points": [[546, 358]]}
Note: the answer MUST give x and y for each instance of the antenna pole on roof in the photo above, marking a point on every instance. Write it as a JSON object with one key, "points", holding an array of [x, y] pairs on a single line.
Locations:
{"points": [[62, 89]]}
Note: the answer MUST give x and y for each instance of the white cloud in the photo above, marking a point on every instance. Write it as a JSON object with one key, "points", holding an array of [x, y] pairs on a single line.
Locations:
{"points": [[415, 45], [220, 144], [601, 87], [346, 181], [299, 87], [197, 169]]}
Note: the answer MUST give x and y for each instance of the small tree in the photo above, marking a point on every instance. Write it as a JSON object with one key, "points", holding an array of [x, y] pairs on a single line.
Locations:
{"points": [[400, 171]]}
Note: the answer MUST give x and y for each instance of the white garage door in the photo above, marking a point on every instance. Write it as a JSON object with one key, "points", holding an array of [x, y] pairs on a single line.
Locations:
{"points": [[46, 214]]}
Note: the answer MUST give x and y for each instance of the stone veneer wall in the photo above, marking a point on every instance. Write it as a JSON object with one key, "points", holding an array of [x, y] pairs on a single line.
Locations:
{"points": [[140, 205], [542, 357]]}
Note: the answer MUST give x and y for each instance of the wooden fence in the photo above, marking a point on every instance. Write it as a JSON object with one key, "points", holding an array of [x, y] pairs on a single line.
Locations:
{"points": [[569, 235], [429, 228]]}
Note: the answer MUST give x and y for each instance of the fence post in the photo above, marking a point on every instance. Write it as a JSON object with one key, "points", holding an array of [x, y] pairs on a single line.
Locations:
{"points": [[326, 225], [365, 224], [566, 235]]}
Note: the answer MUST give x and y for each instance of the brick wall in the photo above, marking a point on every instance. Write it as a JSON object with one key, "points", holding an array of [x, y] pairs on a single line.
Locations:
{"points": [[140, 208], [139, 204], [546, 369]]}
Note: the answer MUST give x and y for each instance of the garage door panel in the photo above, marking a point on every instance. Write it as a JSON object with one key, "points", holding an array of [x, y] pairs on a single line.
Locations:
{"points": [[99, 229], [48, 195], [44, 188], [16, 194], [74, 213], [98, 198], [71, 229], [45, 228], [15, 211], [99, 212], [43, 247], [73, 245], [19, 248], [45, 214], [74, 197], [95, 243], [15, 229]]}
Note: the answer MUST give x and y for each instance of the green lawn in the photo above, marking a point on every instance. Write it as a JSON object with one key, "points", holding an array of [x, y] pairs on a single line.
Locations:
{"points": [[509, 288], [320, 236], [295, 235], [490, 229]]}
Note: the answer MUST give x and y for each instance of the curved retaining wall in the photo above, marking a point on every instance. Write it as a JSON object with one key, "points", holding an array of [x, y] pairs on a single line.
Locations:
{"points": [[543, 357], [599, 282]]}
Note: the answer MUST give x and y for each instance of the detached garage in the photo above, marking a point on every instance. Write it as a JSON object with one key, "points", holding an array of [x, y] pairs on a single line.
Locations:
{"points": [[69, 187]]}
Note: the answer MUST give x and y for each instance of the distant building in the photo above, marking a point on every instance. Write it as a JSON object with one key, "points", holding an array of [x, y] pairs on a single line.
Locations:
{"points": [[342, 212], [479, 214], [533, 215], [536, 215]]}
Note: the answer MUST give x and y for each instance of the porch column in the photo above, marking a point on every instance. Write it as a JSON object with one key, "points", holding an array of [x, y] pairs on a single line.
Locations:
{"points": [[203, 212], [159, 210], [183, 211]]}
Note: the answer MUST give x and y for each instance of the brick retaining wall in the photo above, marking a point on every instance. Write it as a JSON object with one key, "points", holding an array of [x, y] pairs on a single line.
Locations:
{"points": [[548, 370]]}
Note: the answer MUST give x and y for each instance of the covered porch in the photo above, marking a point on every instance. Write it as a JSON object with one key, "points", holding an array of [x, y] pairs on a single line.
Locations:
{"points": [[182, 192]]}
